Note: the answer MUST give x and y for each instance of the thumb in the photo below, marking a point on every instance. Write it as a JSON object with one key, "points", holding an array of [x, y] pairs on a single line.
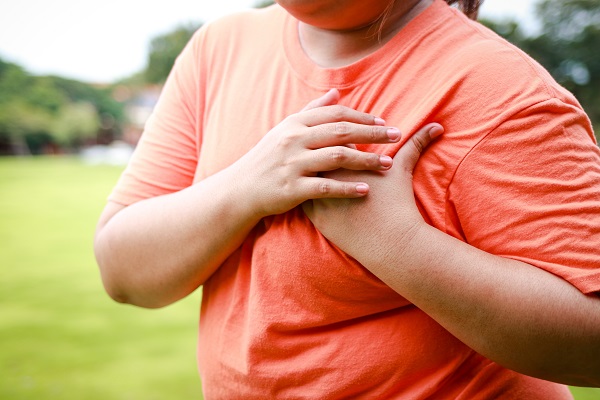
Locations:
{"points": [[409, 153], [328, 99]]}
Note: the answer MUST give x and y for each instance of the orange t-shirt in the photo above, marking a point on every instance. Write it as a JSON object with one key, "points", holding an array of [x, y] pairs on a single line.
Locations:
{"points": [[288, 315]]}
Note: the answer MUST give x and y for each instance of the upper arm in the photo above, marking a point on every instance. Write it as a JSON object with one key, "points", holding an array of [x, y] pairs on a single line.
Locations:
{"points": [[530, 191], [166, 157], [110, 210]]}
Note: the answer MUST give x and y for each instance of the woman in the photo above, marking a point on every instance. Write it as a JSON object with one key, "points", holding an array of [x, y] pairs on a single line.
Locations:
{"points": [[324, 275]]}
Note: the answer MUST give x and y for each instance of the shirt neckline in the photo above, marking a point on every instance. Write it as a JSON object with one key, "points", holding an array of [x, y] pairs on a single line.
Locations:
{"points": [[353, 74]]}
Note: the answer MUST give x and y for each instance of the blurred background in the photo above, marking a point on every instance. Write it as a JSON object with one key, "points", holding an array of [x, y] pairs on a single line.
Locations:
{"points": [[77, 83]]}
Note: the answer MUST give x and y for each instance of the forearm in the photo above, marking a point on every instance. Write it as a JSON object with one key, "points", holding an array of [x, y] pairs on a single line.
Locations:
{"points": [[159, 250], [513, 313]]}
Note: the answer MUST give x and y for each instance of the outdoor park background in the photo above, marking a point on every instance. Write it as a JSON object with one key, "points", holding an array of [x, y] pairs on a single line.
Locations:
{"points": [[64, 143]]}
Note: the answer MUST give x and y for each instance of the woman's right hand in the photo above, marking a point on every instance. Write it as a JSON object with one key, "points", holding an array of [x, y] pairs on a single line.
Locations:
{"points": [[282, 170]]}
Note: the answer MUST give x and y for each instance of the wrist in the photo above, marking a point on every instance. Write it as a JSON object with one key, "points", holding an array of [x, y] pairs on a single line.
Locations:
{"points": [[245, 192]]}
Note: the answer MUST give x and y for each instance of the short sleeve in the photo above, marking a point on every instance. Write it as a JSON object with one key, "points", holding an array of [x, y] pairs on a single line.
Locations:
{"points": [[530, 191], [166, 156]]}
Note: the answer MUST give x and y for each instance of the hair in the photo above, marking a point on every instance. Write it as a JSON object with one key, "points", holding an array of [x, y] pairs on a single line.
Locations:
{"points": [[469, 7]]}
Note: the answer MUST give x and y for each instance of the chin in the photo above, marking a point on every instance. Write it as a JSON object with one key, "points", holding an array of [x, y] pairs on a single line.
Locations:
{"points": [[335, 14]]}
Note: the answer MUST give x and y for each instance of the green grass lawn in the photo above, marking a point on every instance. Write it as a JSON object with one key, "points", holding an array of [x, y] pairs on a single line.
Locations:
{"points": [[61, 337]]}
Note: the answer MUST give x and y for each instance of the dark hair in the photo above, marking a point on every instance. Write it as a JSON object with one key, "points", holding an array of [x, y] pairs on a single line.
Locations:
{"points": [[469, 7]]}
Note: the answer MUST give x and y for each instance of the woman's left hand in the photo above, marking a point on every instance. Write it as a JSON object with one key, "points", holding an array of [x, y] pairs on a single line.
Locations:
{"points": [[496, 305], [358, 225]]}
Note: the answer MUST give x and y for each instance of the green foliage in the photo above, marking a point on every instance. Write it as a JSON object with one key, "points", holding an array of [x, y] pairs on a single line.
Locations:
{"points": [[26, 125], [61, 337], [35, 110], [567, 20], [164, 49], [13, 79], [75, 122], [82, 92], [567, 46]]}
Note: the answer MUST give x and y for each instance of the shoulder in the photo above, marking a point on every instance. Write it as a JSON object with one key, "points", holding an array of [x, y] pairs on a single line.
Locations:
{"points": [[237, 35], [480, 79], [245, 24], [501, 70]]}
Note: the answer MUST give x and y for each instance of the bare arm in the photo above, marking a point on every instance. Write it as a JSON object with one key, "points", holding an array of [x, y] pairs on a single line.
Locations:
{"points": [[158, 250], [513, 313]]}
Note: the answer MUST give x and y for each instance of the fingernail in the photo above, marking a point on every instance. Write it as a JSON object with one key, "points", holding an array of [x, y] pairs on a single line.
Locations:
{"points": [[385, 161], [362, 188], [379, 121], [393, 134], [435, 131]]}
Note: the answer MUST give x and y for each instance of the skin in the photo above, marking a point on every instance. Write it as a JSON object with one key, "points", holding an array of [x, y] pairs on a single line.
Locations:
{"points": [[150, 254], [337, 33], [499, 307], [513, 313]]}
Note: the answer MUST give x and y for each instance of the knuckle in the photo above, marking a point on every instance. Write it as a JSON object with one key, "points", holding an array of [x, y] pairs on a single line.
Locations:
{"points": [[338, 155], [338, 112], [342, 128], [373, 160], [374, 133], [285, 140], [310, 105], [419, 142], [324, 188], [290, 119]]}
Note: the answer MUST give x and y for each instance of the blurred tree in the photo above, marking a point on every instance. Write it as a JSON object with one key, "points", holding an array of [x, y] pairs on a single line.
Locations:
{"points": [[24, 129], [75, 123], [164, 49], [568, 45], [100, 97], [34, 111], [13, 79]]}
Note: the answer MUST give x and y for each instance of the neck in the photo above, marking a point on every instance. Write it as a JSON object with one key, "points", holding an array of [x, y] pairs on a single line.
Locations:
{"points": [[331, 48]]}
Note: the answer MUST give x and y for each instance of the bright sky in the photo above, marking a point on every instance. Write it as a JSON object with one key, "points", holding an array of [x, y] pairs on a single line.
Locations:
{"points": [[101, 41]]}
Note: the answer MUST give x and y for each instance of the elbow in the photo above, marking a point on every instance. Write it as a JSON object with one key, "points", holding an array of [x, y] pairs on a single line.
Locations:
{"points": [[115, 280], [560, 362], [585, 379], [123, 296], [118, 289], [586, 374], [583, 370], [101, 252], [117, 295]]}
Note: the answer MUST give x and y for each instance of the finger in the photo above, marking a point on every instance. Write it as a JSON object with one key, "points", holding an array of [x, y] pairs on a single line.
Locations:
{"points": [[336, 113], [332, 158], [342, 133], [321, 188], [328, 99], [409, 153]]}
